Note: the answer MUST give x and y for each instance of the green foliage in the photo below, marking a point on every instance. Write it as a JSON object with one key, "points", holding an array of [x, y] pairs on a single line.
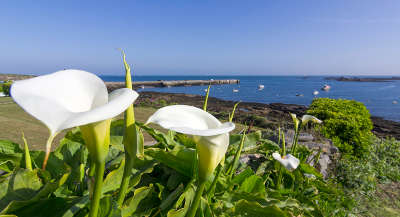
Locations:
{"points": [[163, 182], [380, 166], [346, 122], [5, 87]]}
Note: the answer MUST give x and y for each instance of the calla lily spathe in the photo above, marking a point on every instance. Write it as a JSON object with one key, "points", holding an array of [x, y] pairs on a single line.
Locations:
{"points": [[69, 98], [289, 161], [305, 119], [210, 135]]}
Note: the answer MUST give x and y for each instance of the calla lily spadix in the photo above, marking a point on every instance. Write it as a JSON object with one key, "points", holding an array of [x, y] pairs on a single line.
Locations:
{"points": [[289, 161], [69, 98], [210, 135]]}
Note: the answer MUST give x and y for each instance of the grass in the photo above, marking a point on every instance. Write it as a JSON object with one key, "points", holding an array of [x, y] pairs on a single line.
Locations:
{"points": [[14, 121]]}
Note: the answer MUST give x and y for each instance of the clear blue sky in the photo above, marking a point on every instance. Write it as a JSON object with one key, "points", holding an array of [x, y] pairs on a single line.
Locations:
{"points": [[202, 37]]}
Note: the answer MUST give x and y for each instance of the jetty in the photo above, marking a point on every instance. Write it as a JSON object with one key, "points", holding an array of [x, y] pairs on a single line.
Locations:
{"points": [[162, 83]]}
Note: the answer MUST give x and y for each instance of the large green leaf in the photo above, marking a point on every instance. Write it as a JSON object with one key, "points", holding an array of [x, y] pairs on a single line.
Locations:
{"points": [[246, 208], [141, 167], [23, 188], [183, 203], [113, 179], [10, 155], [164, 140], [253, 184], [181, 159], [238, 179], [22, 185], [131, 205], [52, 207], [108, 208]]}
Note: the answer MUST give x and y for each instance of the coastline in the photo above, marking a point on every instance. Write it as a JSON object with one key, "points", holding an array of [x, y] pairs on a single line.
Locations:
{"points": [[264, 115], [272, 115]]}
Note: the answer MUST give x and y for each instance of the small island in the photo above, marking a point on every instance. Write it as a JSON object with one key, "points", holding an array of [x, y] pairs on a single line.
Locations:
{"points": [[363, 79]]}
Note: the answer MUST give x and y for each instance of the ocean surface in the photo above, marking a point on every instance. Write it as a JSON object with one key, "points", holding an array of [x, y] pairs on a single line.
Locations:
{"points": [[381, 98]]}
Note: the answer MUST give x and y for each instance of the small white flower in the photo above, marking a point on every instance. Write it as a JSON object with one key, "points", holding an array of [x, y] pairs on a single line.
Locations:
{"points": [[310, 176], [289, 161]]}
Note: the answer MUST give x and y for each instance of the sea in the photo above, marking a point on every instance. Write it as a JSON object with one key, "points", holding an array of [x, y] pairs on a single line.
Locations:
{"points": [[381, 98]]}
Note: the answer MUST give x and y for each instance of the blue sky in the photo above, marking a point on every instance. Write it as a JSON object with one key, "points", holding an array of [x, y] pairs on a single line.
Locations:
{"points": [[281, 37]]}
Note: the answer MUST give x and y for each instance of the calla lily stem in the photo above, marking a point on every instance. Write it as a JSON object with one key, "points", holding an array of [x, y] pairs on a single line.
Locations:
{"points": [[237, 155], [196, 201], [125, 179], [97, 191], [296, 137], [214, 183], [279, 181], [48, 149]]}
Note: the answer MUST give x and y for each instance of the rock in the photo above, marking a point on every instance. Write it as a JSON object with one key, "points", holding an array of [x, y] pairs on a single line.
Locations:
{"points": [[253, 160], [323, 164]]}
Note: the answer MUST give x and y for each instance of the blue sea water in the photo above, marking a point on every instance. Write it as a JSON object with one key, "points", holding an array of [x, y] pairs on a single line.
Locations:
{"points": [[377, 96]]}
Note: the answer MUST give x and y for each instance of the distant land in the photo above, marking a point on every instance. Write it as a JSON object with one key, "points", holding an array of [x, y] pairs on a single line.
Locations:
{"points": [[362, 79], [140, 84], [14, 77]]}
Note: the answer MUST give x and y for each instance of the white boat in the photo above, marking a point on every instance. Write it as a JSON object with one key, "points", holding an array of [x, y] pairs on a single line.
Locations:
{"points": [[316, 92], [326, 87], [260, 87], [235, 90], [395, 102]]}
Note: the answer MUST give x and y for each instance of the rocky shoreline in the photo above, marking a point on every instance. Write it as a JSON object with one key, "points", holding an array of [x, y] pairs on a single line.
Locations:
{"points": [[262, 115]]}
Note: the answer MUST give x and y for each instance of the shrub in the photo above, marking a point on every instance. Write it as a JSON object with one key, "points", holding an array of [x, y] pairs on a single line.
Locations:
{"points": [[5, 88], [346, 122]]}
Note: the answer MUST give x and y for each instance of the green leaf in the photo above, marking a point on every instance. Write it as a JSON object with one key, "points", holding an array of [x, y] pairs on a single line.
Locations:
{"points": [[141, 167], [164, 140], [113, 179], [183, 203], [132, 203], [306, 168], [75, 207], [23, 189], [108, 208], [253, 184], [171, 197], [22, 185], [52, 207], [10, 155], [245, 208], [180, 158], [238, 179], [117, 127]]}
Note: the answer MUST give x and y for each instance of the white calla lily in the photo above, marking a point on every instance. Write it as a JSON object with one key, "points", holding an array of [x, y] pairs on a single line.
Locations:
{"points": [[69, 98], [210, 135], [296, 121], [289, 161], [306, 118]]}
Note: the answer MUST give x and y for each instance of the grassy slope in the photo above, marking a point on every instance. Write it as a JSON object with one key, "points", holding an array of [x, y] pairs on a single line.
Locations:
{"points": [[14, 121]]}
